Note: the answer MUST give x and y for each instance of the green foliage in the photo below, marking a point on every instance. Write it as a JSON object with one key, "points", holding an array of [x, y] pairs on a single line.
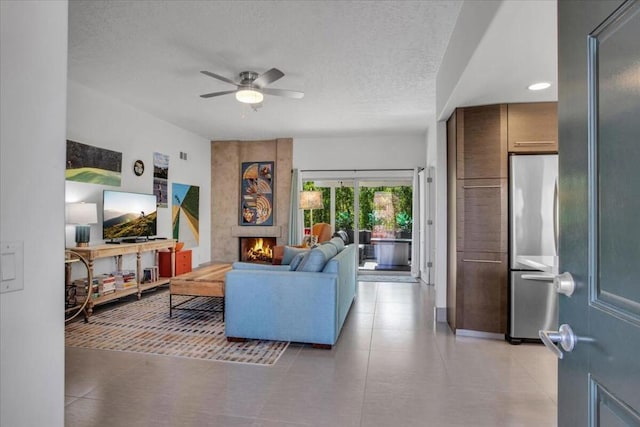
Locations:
{"points": [[402, 199], [404, 221], [344, 208], [344, 221], [367, 215]]}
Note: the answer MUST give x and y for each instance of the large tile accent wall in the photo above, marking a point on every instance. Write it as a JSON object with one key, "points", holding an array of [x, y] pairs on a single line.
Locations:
{"points": [[226, 160]]}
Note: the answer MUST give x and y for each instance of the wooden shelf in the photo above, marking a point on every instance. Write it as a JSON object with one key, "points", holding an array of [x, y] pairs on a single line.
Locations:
{"points": [[91, 253], [150, 285], [119, 293]]}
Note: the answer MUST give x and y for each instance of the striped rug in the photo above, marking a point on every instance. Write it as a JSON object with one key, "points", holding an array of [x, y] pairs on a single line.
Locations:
{"points": [[145, 327]]}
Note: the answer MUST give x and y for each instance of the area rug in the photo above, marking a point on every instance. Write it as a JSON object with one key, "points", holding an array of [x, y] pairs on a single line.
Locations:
{"points": [[386, 278], [145, 327]]}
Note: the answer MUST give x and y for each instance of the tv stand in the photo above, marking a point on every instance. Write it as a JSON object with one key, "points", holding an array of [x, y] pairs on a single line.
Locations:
{"points": [[91, 253]]}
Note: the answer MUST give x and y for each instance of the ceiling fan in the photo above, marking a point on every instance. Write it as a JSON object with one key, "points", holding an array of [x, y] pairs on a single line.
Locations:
{"points": [[252, 87]]}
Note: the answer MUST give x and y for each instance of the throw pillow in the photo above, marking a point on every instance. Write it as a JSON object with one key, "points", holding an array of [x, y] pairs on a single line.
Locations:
{"points": [[317, 258], [290, 252], [295, 262]]}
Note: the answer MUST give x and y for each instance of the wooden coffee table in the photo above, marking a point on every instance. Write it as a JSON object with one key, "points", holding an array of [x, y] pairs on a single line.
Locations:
{"points": [[205, 281]]}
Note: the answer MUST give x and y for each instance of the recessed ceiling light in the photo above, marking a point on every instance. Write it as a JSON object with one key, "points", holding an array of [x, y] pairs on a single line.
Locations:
{"points": [[539, 86]]}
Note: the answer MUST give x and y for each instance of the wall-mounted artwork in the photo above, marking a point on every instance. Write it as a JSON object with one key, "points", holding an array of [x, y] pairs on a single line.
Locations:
{"points": [[160, 177], [93, 165], [186, 214], [256, 198]]}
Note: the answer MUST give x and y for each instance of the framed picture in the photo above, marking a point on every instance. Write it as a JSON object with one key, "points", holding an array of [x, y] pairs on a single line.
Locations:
{"points": [[257, 181], [93, 165], [186, 214], [160, 178]]}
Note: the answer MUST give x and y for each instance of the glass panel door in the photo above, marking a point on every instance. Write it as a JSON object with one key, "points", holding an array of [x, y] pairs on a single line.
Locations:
{"points": [[385, 219], [376, 214]]}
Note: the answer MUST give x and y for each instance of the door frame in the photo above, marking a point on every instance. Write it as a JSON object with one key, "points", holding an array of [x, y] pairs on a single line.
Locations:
{"points": [[357, 175]]}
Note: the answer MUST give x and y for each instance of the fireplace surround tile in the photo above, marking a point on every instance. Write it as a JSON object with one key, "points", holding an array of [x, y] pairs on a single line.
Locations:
{"points": [[226, 160]]}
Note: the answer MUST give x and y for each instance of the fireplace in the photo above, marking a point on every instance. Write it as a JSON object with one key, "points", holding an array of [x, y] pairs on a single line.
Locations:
{"points": [[257, 249]]}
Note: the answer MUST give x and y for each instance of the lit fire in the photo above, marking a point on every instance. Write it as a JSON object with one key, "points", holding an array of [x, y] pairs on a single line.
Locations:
{"points": [[260, 252]]}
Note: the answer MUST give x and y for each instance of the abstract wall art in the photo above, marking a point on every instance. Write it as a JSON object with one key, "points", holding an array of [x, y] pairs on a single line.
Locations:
{"points": [[257, 182]]}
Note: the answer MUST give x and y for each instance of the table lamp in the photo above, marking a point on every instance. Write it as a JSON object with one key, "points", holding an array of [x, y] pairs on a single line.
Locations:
{"points": [[82, 214], [311, 200]]}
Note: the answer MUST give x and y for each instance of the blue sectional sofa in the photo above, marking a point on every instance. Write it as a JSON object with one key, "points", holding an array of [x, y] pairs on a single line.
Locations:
{"points": [[308, 304]]}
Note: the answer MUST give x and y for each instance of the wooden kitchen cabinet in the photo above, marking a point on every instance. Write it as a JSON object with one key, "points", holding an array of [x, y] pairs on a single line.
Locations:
{"points": [[477, 219], [533, 127], [481, 142], [481, 215], [183, 262], [481, 292]]}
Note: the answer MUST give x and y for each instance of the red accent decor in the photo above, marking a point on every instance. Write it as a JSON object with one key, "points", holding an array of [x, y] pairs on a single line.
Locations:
{"points": [[183, 262]]}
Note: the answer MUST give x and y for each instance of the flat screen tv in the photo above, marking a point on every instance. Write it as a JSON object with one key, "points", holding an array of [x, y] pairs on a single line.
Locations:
{"points": [[128, 215]]}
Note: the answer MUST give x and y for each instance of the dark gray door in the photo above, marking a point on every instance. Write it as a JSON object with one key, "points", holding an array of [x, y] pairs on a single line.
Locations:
{"points": [[599, 135]]}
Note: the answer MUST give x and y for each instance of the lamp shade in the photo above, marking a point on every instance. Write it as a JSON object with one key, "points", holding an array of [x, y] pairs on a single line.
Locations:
{"points": [[311, 200], [81, 213]]}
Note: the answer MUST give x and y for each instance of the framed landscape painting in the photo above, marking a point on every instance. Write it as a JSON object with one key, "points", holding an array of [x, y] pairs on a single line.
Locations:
{"points": [[185, 216], [93, 165], [257, 181]]}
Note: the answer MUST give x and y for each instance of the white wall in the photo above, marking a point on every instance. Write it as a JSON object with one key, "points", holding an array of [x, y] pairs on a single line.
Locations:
{"points": [[361, 152], [33, 78], [101, 121], [472, 23]]}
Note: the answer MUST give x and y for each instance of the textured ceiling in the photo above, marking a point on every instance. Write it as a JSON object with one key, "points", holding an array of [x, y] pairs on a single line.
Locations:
{"points": [[366, 67]]}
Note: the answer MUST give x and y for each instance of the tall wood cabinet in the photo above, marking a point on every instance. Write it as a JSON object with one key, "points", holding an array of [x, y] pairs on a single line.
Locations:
{"points": [[479, 140], [477, 158]]}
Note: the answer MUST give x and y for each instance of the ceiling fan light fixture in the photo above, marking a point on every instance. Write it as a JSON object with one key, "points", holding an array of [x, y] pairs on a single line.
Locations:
{"points": [[249, 96]]}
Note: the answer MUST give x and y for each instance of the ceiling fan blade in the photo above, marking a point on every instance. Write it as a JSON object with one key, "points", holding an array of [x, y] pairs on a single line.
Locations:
{"points": [[216, 76], [284, 92], [269, 77], [212, 94]]}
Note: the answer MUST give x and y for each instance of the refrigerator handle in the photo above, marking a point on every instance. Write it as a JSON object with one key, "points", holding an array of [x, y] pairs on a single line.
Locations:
{"points": [[555, 215]]}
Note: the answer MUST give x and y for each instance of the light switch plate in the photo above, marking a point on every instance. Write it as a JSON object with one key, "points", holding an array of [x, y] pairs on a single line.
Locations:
{"points": [[11, 266]]}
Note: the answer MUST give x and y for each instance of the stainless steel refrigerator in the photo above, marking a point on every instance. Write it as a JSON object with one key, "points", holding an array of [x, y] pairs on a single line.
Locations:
{"points": [[533, 222]]}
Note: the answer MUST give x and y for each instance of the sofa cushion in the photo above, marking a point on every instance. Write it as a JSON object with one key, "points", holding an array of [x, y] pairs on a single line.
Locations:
{"points": [[295, 262], [258, 266], [343, 235], [317, 257], [338, 243], [290, 252]]}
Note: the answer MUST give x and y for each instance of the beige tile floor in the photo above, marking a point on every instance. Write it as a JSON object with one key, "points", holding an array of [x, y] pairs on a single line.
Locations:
{"points": [[392, 366]]}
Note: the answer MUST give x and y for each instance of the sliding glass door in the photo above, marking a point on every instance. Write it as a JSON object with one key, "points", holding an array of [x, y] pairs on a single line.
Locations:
{"points": [[375, 212]]}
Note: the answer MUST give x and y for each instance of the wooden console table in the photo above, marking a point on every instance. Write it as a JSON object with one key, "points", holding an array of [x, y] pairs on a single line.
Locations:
{"points": [[91, 253]]}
